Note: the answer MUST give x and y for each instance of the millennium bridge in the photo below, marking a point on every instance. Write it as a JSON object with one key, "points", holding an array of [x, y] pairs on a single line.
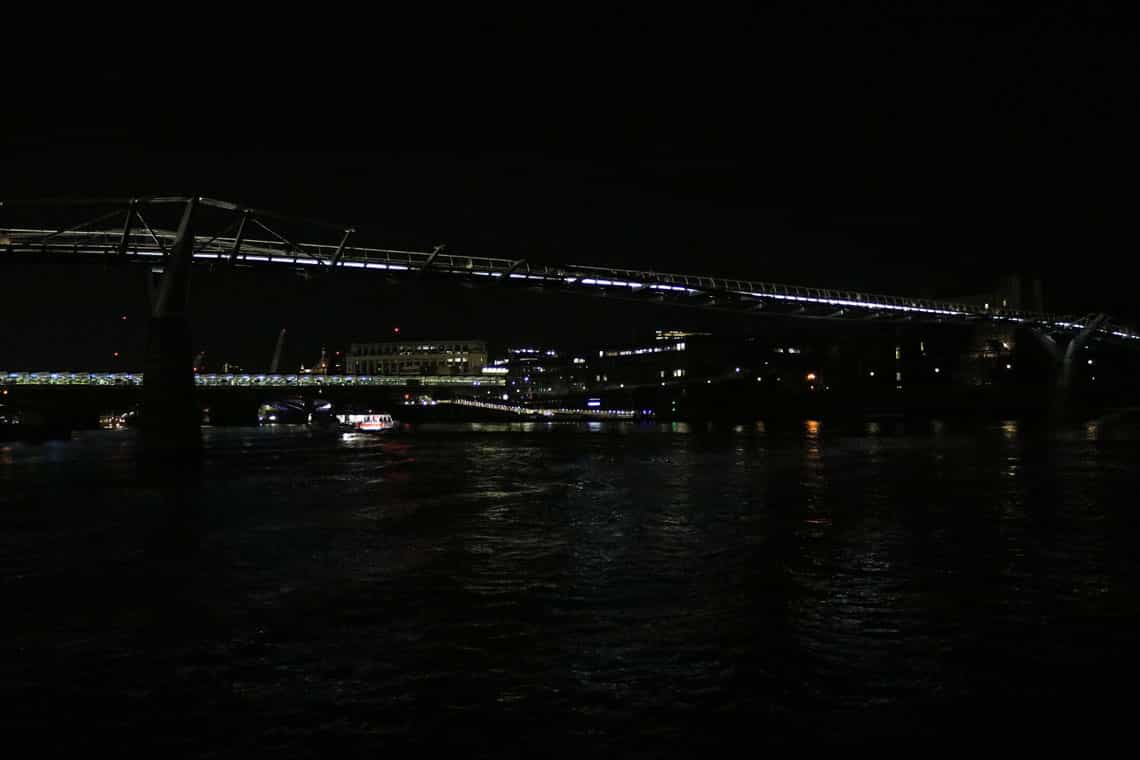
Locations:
{"points": [[125, 234], [223, 234]]}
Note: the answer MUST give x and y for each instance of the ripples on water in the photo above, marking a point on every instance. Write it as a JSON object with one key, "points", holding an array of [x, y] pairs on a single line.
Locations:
{"points": [[550, 589]]}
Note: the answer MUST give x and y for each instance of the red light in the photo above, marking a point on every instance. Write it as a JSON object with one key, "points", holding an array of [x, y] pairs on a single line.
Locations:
{"points": [[116, 354], [407, 396], [123, 317], [396, 330]]}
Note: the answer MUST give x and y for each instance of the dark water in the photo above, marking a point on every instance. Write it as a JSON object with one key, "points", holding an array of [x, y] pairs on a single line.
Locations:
{"points": [[608, 588]]}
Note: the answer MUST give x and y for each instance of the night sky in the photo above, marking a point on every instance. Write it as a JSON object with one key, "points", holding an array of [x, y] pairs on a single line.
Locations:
{"points": [[901, 151]]}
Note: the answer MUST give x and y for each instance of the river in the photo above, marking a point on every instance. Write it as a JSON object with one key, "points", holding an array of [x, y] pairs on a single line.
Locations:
{"points": [[553, 589]]}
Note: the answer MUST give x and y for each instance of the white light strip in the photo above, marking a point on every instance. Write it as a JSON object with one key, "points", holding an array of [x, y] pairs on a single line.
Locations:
{"points": [[292, 259], [846, 302]]}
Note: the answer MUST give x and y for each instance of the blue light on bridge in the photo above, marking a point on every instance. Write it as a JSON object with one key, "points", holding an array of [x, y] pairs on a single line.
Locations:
{"points": [[744, 293]]}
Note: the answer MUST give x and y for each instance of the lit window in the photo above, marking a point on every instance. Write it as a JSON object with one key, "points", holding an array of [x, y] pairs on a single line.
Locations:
{"points": [[678, 373], [898, 352]]}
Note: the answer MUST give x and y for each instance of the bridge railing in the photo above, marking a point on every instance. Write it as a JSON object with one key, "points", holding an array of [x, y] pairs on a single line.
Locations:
{"points": [[153, 243]]}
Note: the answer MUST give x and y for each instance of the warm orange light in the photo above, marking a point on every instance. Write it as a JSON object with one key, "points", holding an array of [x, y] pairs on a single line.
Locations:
{"points": [[810, 376]]}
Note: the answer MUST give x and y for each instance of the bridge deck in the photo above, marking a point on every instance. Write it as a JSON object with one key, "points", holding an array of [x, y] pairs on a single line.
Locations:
{"points": [[146, 243]]}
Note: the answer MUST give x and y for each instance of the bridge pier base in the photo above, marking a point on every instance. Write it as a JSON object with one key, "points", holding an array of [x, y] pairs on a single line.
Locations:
{"points": [[170, 436], [1062, 366]]}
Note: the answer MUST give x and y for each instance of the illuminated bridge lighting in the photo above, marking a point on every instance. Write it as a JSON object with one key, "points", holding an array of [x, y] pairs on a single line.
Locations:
{"points": [[720, 292], [549, 413], [859, 304], [251, 380]]}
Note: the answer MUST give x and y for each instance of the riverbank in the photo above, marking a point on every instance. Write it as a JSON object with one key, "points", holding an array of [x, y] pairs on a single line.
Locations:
{"points": [[81, 408]]}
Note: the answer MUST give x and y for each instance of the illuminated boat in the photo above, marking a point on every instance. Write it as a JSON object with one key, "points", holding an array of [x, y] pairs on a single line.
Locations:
{"points": [[132, 417], [294, 411], [367, 423]]}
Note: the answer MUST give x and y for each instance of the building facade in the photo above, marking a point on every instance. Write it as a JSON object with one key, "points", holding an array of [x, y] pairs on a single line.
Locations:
{"points": [[417, 357]]}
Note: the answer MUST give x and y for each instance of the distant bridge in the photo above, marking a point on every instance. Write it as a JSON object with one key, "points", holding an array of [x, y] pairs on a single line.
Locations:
{"points": [[203, 380], [125, 234]]}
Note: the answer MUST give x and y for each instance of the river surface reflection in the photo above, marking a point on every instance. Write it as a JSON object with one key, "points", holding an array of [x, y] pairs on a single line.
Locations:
{"points": [[550, 589]]}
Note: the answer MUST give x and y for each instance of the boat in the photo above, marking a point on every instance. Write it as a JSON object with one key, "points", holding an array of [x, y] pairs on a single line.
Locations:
{"points": [[132, 417], [294, 411], [29, 426], [366, 423]]}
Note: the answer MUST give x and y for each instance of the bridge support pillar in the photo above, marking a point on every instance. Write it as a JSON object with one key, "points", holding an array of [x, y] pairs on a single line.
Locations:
{"points": [[170, 436], [1063, 363]]}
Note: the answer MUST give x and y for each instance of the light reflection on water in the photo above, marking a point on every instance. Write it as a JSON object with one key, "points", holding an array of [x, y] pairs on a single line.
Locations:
{"points": [[814, 581]]}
